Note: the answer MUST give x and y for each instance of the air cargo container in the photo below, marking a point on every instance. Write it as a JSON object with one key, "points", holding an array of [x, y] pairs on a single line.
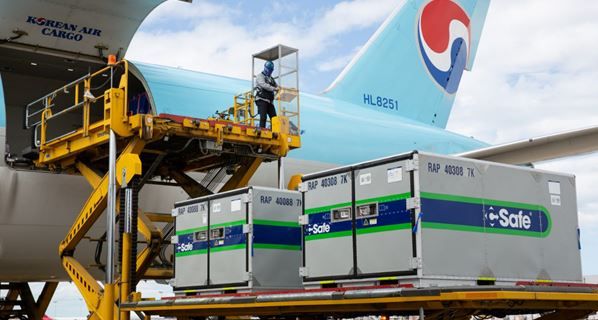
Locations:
{"points": [[238, 241], [428, 220]]}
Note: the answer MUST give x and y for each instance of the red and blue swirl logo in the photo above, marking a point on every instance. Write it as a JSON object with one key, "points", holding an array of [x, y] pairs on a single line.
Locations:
{"points": [[444, 39]]}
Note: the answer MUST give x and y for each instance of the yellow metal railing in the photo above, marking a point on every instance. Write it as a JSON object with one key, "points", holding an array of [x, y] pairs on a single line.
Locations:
{"points": [[243, 110], [40, 111]]}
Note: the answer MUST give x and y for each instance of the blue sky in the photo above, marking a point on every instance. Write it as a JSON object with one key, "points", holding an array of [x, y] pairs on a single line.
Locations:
{"points": [[535, 71]]}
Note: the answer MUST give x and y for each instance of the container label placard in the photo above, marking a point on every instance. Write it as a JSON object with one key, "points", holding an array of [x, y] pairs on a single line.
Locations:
{"points": [[328, 182], [268, 200], [554, 189], [365, 179], [192, 208], [555, 200], [235, 205], [394, 174]]}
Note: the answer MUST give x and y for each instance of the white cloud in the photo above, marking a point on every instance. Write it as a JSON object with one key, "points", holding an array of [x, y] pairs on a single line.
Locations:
{"points": [[216, 42], [535, 72], [348, 15], [336, 63], [172, 11]]}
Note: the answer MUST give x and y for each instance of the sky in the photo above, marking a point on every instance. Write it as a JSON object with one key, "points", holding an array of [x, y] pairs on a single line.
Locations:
{"points": [[536, 71]]}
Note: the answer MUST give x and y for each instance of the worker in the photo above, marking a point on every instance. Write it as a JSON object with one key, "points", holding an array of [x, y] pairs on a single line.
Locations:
{"points": [[266, 90], [139, 104]]}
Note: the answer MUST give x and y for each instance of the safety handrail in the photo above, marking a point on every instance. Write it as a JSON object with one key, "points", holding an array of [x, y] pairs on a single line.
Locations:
{"points": [[46, 113], [243, 110], [47, 101]]}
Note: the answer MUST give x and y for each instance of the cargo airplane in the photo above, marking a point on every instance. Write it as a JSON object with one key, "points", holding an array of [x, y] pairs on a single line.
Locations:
{"points": [[394, 96]]}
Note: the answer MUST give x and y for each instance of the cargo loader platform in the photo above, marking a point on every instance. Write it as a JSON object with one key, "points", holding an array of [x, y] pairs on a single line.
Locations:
{"points": [[145, 148], [462, 302]]}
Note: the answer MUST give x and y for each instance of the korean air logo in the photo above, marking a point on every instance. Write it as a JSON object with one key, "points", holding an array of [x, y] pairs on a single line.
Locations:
{"points": [[444, 42]]}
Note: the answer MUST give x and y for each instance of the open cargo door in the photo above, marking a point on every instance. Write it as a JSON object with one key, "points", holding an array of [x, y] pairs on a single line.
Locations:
{"points": [[46, 44]]}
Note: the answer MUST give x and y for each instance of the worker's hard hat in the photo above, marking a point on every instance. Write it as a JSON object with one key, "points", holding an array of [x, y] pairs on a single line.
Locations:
{"points": [[269, 65], [268, 68]]}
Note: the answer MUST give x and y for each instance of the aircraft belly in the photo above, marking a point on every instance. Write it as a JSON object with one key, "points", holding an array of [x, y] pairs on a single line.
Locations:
{"points": [[36, 211], [29, 252]]}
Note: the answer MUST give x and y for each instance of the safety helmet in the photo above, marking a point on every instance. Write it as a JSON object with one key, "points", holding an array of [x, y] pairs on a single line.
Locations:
{"points": [[268, 68]]}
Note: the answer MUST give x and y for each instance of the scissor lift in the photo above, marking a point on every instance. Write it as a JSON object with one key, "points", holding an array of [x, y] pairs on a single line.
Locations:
{"points": [[149, 145]]}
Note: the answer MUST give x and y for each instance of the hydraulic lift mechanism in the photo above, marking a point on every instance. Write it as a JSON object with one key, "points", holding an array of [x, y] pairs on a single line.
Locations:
{"points": [[121, 151]]}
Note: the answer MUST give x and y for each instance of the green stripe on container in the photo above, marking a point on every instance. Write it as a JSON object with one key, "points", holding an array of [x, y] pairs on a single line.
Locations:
{"points": [[347, 233], [489, 202], [276, 246], [191, 253], [391, 227], [215, 249], [327, 208], [458, 227], [192, 230], [226, 224], [289, 224], [388, 198], [328, 235], [228, 248]]}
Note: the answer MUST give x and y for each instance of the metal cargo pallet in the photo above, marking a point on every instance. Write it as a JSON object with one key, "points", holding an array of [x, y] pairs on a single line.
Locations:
{"points": [[550, 301]]}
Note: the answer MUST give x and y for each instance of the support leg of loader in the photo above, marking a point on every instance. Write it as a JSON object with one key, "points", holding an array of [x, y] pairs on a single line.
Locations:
{"points": [[566, 314], [193, 188], [43, 301]]}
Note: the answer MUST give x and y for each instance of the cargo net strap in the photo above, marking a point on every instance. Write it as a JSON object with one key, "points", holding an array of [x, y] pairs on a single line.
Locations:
{"points": [[417, 222]]}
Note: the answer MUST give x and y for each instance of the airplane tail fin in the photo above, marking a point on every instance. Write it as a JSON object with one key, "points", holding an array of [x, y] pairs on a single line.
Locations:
{"points": [[413, 64]]}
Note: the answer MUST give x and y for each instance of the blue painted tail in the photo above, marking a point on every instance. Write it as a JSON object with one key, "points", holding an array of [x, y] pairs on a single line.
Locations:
{"points": [[413, 64]]}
